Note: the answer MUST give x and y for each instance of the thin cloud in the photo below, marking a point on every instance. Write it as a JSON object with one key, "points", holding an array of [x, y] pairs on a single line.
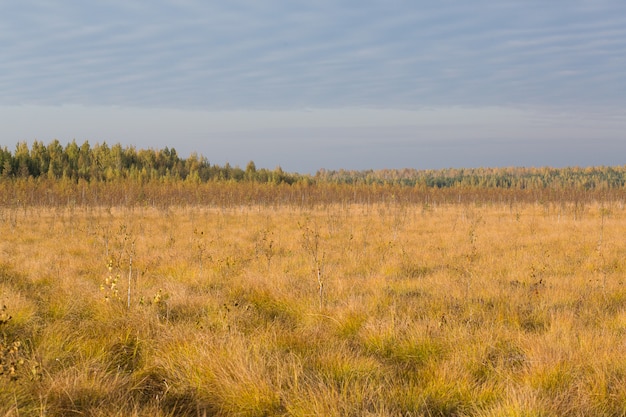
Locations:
{"points": [[249, 55]]}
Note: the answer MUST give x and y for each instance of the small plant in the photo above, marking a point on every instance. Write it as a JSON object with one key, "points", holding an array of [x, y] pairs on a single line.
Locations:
{"points": [[110, 285], [603, 266], [471, 256], [131, 253], [200, 247], [264, 246], [124, 249], [311, 244], [160, 302], [10, 358], [4, 316], [11, 355], [227, 266]]}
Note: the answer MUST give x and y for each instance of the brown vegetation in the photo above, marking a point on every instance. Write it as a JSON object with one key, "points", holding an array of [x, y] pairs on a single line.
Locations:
{"points": [[334, 300]]}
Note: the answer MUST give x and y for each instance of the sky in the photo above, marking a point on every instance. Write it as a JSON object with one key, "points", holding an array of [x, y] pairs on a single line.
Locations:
{"points": [[322, 84]]}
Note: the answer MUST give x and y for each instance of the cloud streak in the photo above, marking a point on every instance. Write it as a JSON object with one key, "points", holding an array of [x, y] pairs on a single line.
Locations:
{"points": [[282, 54]]}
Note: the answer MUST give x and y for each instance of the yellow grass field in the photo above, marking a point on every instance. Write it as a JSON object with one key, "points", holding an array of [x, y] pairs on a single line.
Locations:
{"points": [[342, 310]]}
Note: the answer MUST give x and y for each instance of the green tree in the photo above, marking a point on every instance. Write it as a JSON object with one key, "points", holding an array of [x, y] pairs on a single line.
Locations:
{"points": [[57, 156], [6, 162], [250, 171], [40, 160], [22, 159], [72, 155], [84, 160]]}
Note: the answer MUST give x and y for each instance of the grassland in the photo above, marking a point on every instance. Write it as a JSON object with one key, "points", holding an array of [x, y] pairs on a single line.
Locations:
{"points": [[338, 310]]}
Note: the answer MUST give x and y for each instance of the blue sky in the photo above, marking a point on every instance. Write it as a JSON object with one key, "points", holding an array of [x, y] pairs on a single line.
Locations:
{"points": [[324, 84]]}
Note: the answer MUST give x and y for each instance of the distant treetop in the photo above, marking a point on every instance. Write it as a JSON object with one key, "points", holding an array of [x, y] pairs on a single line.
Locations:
{"points": [[104, 163]]}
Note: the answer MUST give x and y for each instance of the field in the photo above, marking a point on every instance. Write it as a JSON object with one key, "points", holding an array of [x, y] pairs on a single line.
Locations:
{"points": [[386, 309]]}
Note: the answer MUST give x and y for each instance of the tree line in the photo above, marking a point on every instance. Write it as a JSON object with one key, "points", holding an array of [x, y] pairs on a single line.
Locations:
{"points": [[104, 163], [518, 178]]}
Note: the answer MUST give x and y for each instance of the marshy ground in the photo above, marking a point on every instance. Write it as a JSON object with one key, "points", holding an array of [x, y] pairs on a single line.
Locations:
{"points": [[338, 310]]}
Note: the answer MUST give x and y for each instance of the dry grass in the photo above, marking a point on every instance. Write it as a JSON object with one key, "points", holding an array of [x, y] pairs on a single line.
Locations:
{"points": [[456, 310]]}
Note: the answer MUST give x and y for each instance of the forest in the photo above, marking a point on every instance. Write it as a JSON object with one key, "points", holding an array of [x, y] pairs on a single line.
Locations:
{"points": [[104, 163]]}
